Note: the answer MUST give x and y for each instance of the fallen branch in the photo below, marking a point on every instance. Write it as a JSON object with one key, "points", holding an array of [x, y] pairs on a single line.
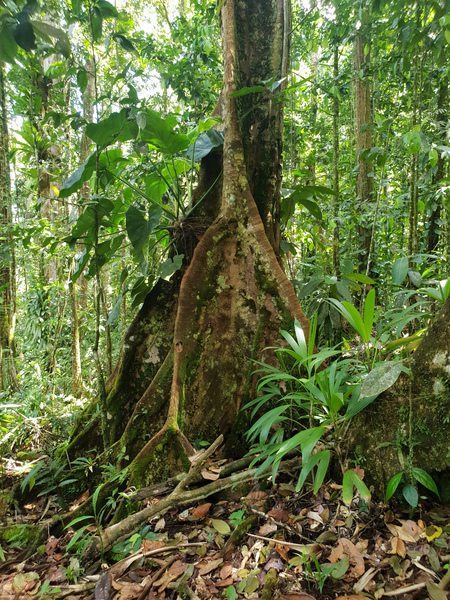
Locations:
{"points": [[131, 524]]}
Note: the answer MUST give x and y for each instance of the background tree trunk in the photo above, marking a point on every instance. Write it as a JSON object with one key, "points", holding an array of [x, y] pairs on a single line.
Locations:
{"points": [[393, 433], [187, 364], [363, 120], [7, 257]]}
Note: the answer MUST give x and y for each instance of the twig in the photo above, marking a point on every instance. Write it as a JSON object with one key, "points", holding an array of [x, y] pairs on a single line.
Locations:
{"points": [[115, 533], [408, 588], [155, 577], [282, 542], [197, 467], [279, 524]]}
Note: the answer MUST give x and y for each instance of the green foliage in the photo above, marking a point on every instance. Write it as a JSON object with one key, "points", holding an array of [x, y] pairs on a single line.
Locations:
{"points": [[409, 490], [302, 389]]}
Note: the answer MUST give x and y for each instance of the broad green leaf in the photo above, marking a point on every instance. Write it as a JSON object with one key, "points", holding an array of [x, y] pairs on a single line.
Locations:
{"points": [[106, 131], [76, 180], [115, 312], [82, 79], [96, 23], [393, 484], [360, 278], [205, 143], [30, 478], [340, 568], [349, 312], [220, 526], [433, 589], [412, 141], [77, 6], [139, 229], [322, 468], [8, 46], [45, 29], [422, 477], [170, 266], [107, 9], [24, 36], [247, 90], [415, 277], [349, 480], [400, 270], [160, 133], [410, 495], [230, 592], [2, 555], [433, 156], [369, 311], [381, 378], [124, 42]]}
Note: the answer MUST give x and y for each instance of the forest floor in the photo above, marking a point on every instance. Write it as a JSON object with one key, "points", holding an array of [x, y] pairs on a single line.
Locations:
{"points": [[268, 544]]}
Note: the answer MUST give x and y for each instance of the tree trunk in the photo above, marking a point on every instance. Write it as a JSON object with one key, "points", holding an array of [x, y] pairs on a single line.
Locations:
{"points": [[186, 368], [409, 425], [364, 182], [7, 258], [434, 228]]}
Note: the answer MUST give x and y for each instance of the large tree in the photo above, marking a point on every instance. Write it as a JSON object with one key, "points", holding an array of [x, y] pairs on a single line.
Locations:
{"points": [[186, 366]]}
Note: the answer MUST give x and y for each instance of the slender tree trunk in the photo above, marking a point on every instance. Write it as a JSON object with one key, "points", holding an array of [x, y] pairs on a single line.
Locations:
{"points": [[7, 255], [442, 124], [363, 119], [336, 203]]}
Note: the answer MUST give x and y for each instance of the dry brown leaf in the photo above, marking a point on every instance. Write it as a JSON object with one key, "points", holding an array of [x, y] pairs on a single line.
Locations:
{"points": [[403, 534], [347, 548], [359, 471], [209, 475], [210, 566], [267, 528], [314, 516], [76, 503], [148, 545], [226, 570], [163, 582], [201, 511], [413, 528], [325, 515], [177, 568], [257, 495], [224, 582], [282, 551], [130, 591], [397, 547], [351, 597], [279, 515]]}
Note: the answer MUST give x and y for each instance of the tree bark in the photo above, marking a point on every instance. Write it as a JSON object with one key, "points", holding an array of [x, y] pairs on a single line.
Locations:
{"points": [[363, 120], [186, 369], [7, 256], [394, 433]]}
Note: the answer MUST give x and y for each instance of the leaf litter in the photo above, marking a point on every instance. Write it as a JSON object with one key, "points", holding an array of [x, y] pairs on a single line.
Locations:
{"points": [[267, 544]]}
